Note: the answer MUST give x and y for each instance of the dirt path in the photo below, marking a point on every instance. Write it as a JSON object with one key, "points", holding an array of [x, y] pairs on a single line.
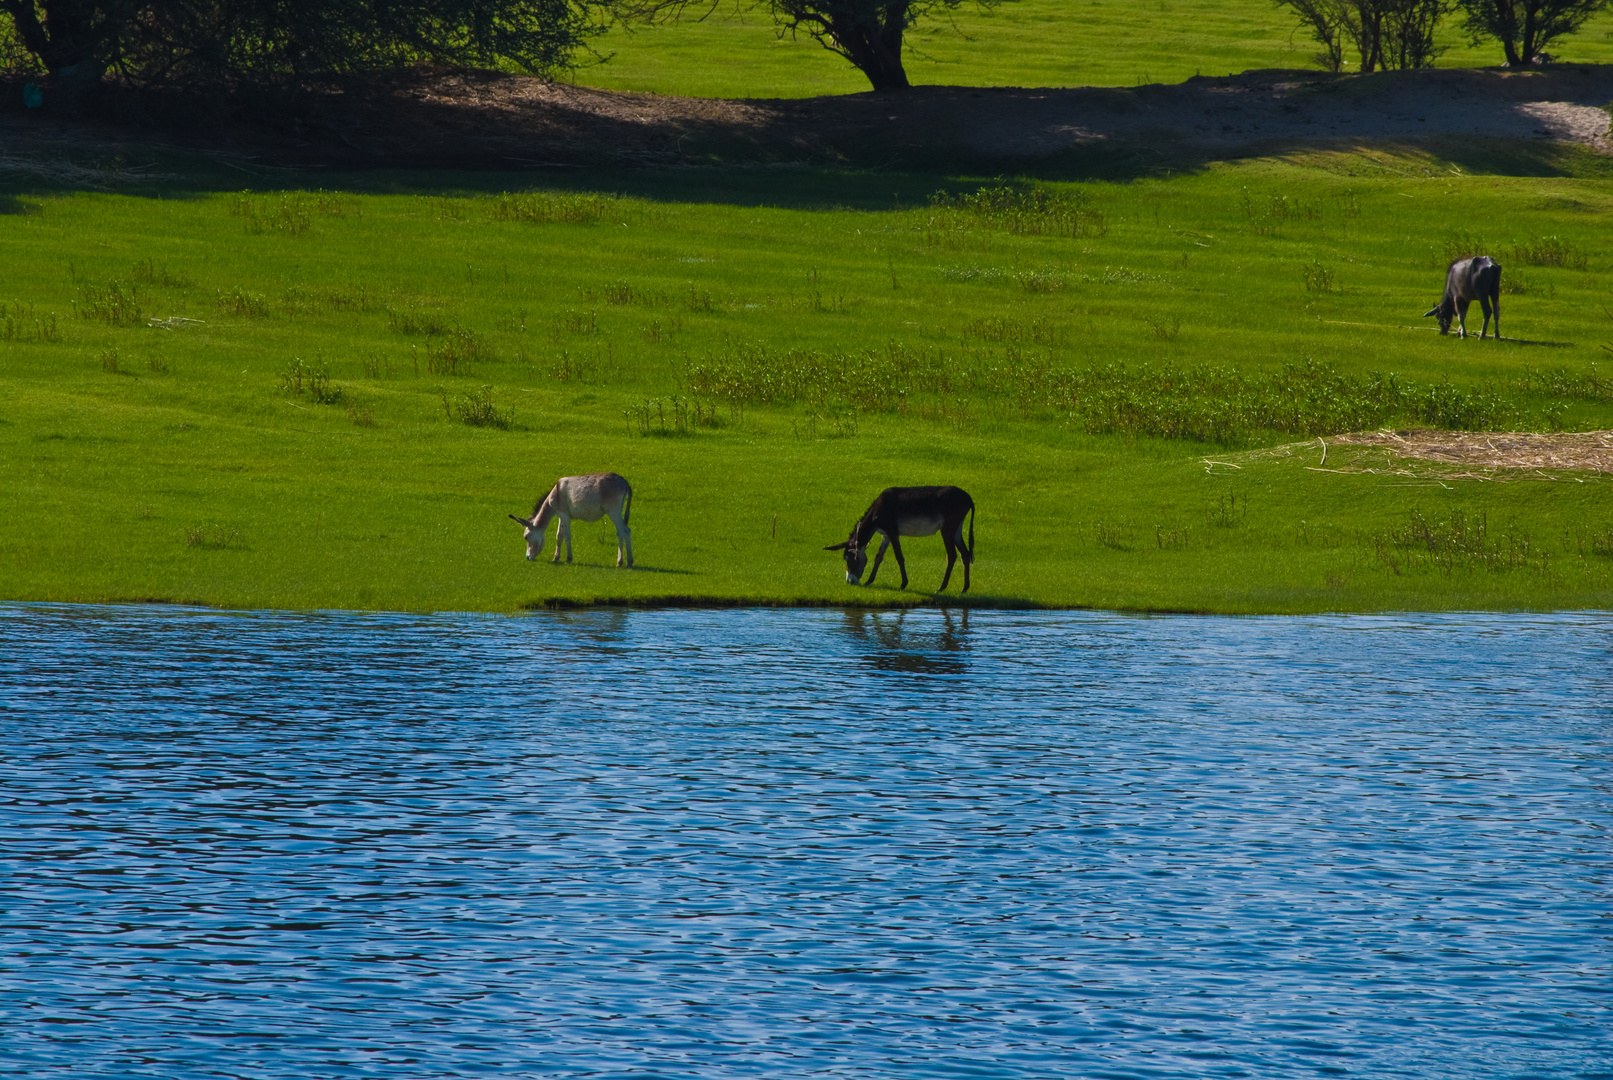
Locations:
{"points": [[484, 120]]}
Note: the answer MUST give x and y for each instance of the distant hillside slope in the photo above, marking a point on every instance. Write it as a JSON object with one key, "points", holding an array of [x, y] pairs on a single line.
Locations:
{"points": [[1031, 43]]}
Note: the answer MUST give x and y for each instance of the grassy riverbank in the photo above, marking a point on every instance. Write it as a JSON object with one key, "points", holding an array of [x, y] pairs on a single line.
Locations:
{"points": [[346, 391]]}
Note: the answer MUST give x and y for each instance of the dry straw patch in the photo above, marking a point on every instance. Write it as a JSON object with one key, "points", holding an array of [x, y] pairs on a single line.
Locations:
{"points": [[1431, 456]]}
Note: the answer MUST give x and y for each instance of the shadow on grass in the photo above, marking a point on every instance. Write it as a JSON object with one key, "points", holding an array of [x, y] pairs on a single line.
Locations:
{"points": [[1540, 344], [486, 134]]}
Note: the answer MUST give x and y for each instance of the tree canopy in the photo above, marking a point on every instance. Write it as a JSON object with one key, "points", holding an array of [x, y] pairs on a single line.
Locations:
{"points": [[151, 41], [1523, 27]]}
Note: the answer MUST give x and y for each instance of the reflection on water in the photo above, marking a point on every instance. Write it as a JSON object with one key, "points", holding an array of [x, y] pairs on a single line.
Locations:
{"points": [[737, 844], [927, 643]]}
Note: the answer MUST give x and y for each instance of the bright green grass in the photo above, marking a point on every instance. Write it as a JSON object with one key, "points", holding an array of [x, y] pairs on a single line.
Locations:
{"points": [[736, 53], [188, 474]]}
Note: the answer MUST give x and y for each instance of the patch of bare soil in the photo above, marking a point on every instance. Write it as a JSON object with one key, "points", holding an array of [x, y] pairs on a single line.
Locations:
{"points": [[1429, 456], [474, 119]]}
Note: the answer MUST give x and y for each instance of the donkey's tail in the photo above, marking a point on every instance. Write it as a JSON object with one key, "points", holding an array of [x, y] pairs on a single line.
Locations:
{"points": [[971, 530], [627, 503]]}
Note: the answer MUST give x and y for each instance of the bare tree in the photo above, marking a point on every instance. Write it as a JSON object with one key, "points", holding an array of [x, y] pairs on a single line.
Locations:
{"points": [[1523, 27]]}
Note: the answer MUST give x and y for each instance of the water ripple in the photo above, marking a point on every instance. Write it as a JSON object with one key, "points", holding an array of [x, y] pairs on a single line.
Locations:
{"points": [[800, 844]]}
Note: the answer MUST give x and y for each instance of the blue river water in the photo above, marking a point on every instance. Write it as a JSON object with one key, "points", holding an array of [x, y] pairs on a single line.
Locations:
{"points": [[737, 844]]}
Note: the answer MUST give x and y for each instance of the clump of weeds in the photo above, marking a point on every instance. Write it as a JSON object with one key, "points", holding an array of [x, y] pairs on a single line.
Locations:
{"points": [[1116, 535], [115, 304], [20, 323], [414, 321], [677, 415], [301, 378], [149, 272], [1317, 278], [1549, 251], [1041, 281], [240, 303], [1165, 329], [360, 413], [1458, 542], [1023, 208], [379, 366], [214, 537], [547, 208], [1229, 510], [109, 361], [455, 354], [478, 409]]}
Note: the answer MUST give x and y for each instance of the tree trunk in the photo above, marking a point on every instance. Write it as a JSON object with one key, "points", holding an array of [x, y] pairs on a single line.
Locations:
{"points": [[877, 50], [1530, 32], [1509, 32]]}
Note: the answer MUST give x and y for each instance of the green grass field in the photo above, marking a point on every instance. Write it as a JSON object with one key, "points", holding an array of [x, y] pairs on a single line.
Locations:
{"points": [[346, 392], [736, 53]]}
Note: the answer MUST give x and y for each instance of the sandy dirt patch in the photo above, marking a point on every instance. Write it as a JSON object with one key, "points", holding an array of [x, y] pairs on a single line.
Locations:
{"points": [[1434, 456]]}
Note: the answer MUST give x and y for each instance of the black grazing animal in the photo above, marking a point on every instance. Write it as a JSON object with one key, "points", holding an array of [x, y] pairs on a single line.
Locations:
{"points": [[911, 511], [1477, 277]]}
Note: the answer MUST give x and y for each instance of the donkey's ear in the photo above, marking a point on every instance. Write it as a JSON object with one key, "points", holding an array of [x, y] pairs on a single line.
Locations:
{"points": [[521, 521], [1431, 311], [837, 547]]}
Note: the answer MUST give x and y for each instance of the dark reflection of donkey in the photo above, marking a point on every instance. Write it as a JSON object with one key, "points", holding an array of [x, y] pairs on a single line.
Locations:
{"points": [[1477, 277], [927, 646], [912, 511]]}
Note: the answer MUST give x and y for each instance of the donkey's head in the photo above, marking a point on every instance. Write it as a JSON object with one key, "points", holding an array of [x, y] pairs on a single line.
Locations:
{"points": [[533, 534], [1446, 310], [856, 557]]}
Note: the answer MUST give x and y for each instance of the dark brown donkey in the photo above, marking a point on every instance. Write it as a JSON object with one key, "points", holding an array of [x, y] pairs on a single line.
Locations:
{"points": [[911, 511], [1477, 277]]}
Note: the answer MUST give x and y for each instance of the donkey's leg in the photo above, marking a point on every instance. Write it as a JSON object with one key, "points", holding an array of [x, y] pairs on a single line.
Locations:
{"points": [[1495, 304], [1484, 304], [901, 563], [565, 523], [879, 556], [559, 537], [1461, 317], [968, 557], [624, 540], [952, 558]]}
